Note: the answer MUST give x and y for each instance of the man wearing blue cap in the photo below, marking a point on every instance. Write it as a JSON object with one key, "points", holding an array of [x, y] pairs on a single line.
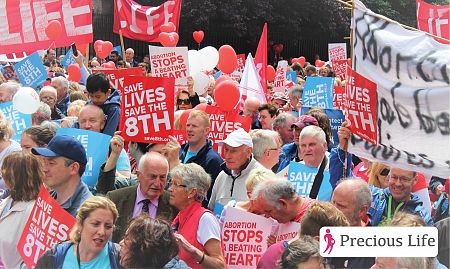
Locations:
{"points": [[64, 164]]}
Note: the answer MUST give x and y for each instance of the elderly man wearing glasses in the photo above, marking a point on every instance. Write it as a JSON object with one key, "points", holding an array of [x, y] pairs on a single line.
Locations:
{"points": [[397, 197]]}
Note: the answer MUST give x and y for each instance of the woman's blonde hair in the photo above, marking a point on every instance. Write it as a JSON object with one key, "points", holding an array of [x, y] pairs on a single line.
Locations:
{"points": [[257, 176], [373, 173], [90, 205]]}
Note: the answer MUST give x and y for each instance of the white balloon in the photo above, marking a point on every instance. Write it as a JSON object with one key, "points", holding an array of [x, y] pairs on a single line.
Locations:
{"points": [[210, 57], [201, 83], [195, 62], [26, 100]]}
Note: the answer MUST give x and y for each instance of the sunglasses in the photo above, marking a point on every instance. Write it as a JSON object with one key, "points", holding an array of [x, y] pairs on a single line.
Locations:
{"points": [[183, 101], [384, 172]]}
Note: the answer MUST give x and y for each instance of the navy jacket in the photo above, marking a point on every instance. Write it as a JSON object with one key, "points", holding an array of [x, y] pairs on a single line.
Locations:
{"points": [[63, 105], [207, 158]]}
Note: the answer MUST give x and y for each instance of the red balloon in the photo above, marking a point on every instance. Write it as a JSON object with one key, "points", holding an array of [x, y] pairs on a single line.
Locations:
{"points": [[278, 48], [74, 72], [184, 117], [270, 73], [198, 36], [302, 61], [53, 29], [227, 59], [168, 39], [201, 106], [294, 60], [227, 95], [167, 27], [222, 78], [107, 47], [319, 63]]}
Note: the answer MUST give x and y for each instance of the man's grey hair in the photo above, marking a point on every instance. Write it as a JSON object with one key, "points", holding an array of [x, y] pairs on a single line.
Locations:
{"points": [[11, 86], [274, 189], [48, 89], [193, 176], [300, 251], [412, 262], [130, 49], [280, 120], [263, 140], [295, 91], [361, 190], [313, 131], [63, 81]]}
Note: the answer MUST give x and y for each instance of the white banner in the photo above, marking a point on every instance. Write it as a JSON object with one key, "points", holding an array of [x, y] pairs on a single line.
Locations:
{"points": [[412, 74], [250, 85], [280, 78], [337, 51], [170, 62]]}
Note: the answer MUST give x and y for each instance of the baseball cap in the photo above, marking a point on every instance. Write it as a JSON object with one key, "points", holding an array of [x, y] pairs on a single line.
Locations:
{"points": [[63, 146], [305, 120], [238, 138]]}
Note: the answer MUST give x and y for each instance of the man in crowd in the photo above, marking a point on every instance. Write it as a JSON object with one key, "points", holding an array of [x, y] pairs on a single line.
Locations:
{"points": [[114, 56], [198, 148], [282, 124], [148, 197], [51, 57], [64, 164], [251, 106], [230, 183], [7, 91], [91, 118], [48, 95], [397, 197], [61, 84], [278, 199], [129, 57], [352, 197], [266, 147], [290, 152], [101, 95]]}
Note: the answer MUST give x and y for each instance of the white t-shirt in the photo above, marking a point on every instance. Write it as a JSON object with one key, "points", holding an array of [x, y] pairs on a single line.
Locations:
{"points": [[208, 228]]}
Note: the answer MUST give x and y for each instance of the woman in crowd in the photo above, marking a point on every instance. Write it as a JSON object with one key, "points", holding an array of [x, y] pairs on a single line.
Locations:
{"points": [[35, 137], [198, 231], [186, 101], [267, 114], [89, 246], [378, 175], [149, 243], [303, 253], [23, 177], [7, 145]]}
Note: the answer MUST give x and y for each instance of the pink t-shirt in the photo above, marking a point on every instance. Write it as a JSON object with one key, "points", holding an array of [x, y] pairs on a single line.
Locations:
{"points": [[273, 253]]}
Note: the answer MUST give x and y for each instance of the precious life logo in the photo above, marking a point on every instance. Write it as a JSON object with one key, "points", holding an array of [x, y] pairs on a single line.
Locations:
{"points": [[378, 241]]}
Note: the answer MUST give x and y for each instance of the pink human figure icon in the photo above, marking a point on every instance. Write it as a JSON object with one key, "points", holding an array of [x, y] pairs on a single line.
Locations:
{"points": [[328, 237]]}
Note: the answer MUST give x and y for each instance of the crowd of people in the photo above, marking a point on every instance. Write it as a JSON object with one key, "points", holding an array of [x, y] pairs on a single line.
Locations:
{"points": [[164, 205]]}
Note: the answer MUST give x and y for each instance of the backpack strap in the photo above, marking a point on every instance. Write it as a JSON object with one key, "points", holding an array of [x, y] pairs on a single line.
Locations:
{"points": [[318, 179]]}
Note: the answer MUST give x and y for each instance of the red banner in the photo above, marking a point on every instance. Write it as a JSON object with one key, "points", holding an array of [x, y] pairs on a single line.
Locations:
{"points": [[146, 109], [340, 68], [142, 22], [360, 106], [261, 58], [434, 20], [47, 225], [117, 76], [338, 97], [223, 123], [23, 23]]}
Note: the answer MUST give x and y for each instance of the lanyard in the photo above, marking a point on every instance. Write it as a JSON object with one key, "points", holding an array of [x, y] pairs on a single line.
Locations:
{"points": [[390, 207], [78, 256]]}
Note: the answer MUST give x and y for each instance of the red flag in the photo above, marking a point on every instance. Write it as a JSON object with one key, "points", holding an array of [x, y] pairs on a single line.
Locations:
{"points": [[143, 22], [434, 20], [261, 58]]}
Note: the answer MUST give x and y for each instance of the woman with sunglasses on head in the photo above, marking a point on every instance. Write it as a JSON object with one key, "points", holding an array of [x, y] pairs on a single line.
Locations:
{"points": [[187, 99], [378, 175]]}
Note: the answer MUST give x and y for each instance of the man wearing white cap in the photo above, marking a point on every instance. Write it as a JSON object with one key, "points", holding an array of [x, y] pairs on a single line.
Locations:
{"points": [[230, 183]]}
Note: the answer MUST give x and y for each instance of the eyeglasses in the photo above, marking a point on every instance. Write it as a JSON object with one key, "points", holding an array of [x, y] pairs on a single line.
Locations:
{"points": [[176, 185], [183, 101], [401, 178], [384, 172]]}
